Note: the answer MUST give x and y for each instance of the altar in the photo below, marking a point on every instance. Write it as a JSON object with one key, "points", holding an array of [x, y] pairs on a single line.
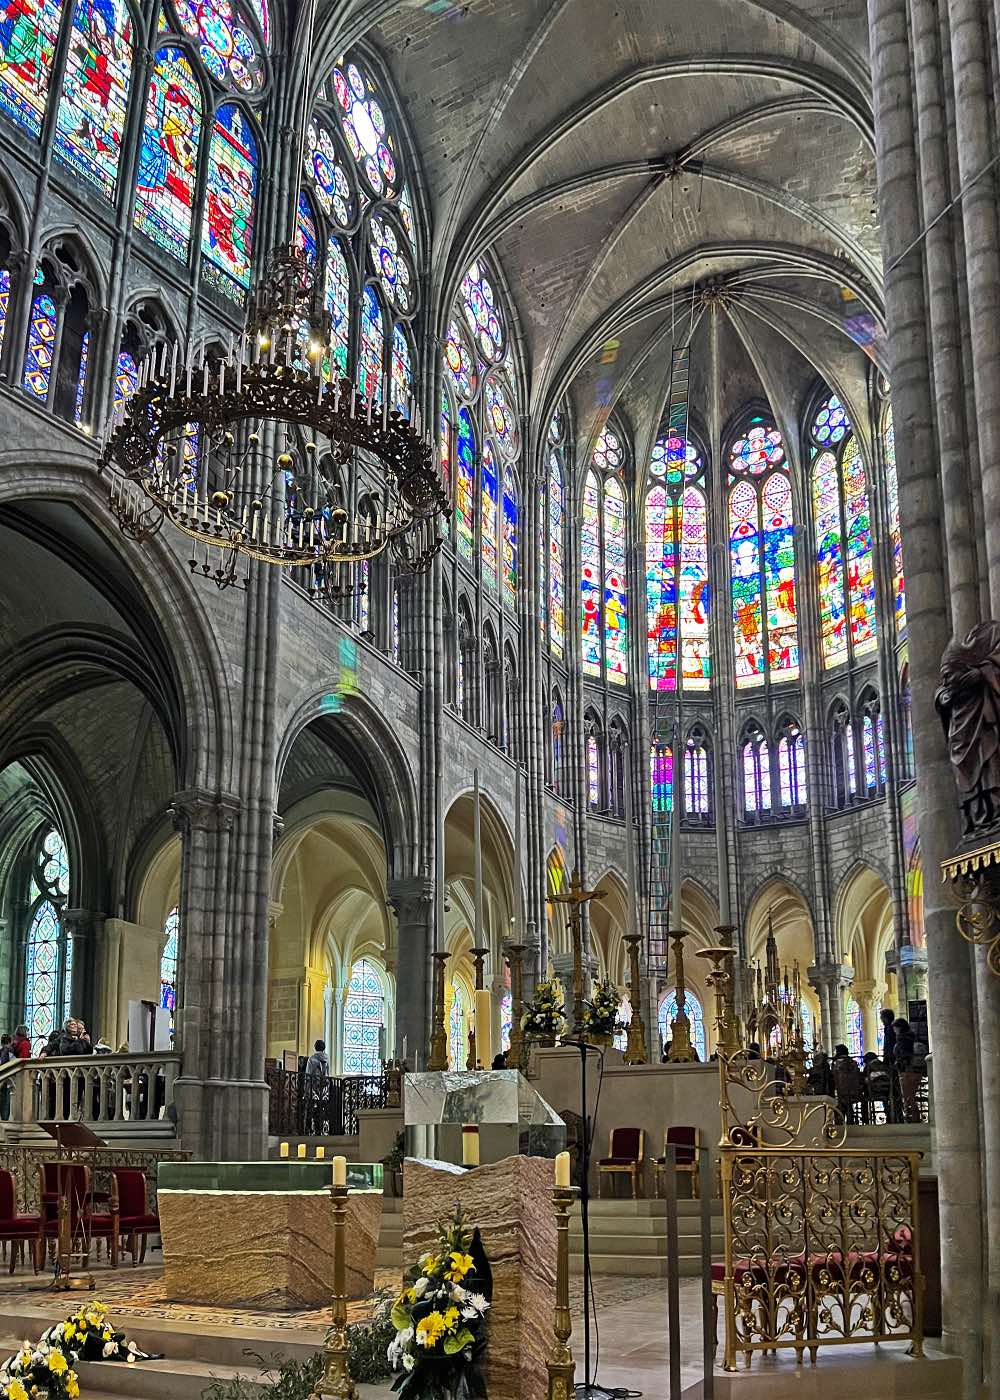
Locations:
{"points": [[260, 1234]]}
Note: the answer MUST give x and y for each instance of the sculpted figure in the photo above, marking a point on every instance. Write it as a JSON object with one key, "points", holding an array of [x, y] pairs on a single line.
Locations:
{"points": [[968, 701]]}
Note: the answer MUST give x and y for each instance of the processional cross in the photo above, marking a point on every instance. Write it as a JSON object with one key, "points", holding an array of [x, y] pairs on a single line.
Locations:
{"points": [[576, 897]]}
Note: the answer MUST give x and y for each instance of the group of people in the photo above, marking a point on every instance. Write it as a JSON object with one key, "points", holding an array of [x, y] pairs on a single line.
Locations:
{"points": [[71, 1038], [891, 1079]]}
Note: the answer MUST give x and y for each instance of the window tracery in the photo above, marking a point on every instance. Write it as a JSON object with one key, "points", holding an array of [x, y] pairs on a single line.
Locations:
{"points": [[677, 470], [603, 555], [48, 956], [364, 1019]]}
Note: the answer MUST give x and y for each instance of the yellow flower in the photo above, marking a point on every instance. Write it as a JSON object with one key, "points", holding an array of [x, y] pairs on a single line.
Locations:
{"points": [[57, 1363], [430, 1329], [17, 1390], [459, 1266], [451, 1317], [69, 1331], [72, 1386]]}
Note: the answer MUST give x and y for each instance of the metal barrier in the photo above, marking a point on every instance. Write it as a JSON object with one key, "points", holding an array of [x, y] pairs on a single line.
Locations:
{"points": [[821, 1248], [23, 1163], [302, 1105]]}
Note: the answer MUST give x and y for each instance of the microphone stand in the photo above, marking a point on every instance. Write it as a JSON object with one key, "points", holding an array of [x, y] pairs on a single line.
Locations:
{"points": [[586, 1390]]}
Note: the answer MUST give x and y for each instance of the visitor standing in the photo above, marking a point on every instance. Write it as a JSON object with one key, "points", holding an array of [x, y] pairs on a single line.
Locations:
{"points": [[22, 1043], [317, 1076], [888, 1034]]}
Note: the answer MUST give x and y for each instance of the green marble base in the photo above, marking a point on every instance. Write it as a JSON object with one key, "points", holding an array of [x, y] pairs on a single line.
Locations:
{"points": [[290, 1175]]}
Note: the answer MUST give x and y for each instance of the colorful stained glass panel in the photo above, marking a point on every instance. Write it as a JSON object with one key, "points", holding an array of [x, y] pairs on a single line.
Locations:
{"points": [[661, 777], [305, 228], [370, 363], [892, 501], [829, 558], [81, 379], [556, 557], [329, 178], [744, 563], [459, 362], [41, 341], [402, 371], [227, 233], [615, 592], [4, 303], [168, 154], [593, 771], [831, 423], [168, 962], [779, 578], [696, 653], [509, 558], [338, 303], [28, 33], [91, 116], [225, 44], [860, 564], [364, 1018], [489, 519], [590, 577], [465, 485], [482, 314]]}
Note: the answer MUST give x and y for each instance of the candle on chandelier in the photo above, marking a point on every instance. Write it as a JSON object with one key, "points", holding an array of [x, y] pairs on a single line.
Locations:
{"points": [[470, 1145]]}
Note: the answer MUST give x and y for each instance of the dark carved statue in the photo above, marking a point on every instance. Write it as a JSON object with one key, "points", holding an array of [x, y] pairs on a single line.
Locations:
{"points": [[968, 701]]}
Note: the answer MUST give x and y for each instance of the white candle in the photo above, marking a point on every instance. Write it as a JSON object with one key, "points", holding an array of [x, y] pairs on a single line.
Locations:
{"points": [[283, 1150], [302, 1149], [562, 1170], [470, 1145], [340, 1171], [484, 1028], [320, 1153]]}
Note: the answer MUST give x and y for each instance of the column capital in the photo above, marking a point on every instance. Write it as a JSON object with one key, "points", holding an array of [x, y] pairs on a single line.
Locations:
{"points": [[863, 991], [197, 809], [836, 976], [411, 899]]}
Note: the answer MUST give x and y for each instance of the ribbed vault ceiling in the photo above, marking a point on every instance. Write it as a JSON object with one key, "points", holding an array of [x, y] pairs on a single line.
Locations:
{"points": [[616, 157]]}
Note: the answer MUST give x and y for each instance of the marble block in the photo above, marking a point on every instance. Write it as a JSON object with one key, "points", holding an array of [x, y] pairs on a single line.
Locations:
{"points": [[263, 1248], [511, 1202]]}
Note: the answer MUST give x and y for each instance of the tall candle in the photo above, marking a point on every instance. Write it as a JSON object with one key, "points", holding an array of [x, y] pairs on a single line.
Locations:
{"points": [[484, 1028], [562, 1170], [340, 1171], [470, 1145], [283, 1150]]}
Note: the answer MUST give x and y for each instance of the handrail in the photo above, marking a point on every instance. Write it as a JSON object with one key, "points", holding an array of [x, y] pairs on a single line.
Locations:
{"points": [[101, 1089]]}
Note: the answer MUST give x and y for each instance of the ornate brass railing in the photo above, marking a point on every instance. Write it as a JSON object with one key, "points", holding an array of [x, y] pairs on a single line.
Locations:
{"points": [[821, 1248]]}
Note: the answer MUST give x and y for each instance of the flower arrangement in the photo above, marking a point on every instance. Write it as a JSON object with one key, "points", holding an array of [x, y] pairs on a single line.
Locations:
{"points": [[545, 1016], [89, 1335], [40, 1370], [600, 1013], [440, 1322]]}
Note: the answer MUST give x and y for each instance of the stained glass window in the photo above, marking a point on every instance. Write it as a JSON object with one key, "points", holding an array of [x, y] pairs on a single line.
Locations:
{"points": [[370, 364], [126, 381], [500, 416], [506, 1019], [661, 775], [365, 128], [394, 641], [329, 178], [845, 571], [444, 442], [871, 756], [226, 45], [854, 1028], [829, 559], [668, 1014], [364, 597], [860, 566], [458, 1041], [696, 788], [28, 33], [364, 1019], [482, 314], [338, 302], [509, 553], [402, 371], [880, 747], [792, 768], [465, 485], [168, 963], [661, 585], [892, 501], [168, 154], [762, 558], [590, 576], [831, 423], [615, 598], [91, 116], [852, 767], [756, 774], [41, 342], [390, 262], [489, 518], [305, 229], [4, 302], [48, 959], [558, 726], [542, 559], [609, 455], [81, 379], [459, 362], [231, 197], [556, 552], [593, 771], [620, 1040]]}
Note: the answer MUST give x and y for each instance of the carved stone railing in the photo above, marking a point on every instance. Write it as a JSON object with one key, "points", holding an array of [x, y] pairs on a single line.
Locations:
{"points": [[113, 1094]]}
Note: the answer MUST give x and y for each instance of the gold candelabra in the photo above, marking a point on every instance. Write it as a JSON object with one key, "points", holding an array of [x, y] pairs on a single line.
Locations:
{"points": [[336, 1382], [576, 897], [479, 956], [438, 1057], [561, 1367], [681, 1050], [514, 955], [635, 1050], [731, 1038]]}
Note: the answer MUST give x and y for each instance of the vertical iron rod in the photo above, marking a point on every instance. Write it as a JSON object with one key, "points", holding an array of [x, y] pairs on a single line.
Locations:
{"points": [[708, 1331], [673, 1275]]}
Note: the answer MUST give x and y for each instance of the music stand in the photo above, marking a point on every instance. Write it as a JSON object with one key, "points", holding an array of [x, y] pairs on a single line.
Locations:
{"points": [[69, 1138]]}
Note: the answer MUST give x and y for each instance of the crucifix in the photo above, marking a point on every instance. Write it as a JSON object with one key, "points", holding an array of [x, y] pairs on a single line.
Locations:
{"points": [[576, 897]]}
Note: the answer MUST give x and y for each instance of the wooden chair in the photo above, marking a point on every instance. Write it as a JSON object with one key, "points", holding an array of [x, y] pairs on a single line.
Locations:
{"points": [[626, 1157], [86, 1223], [16, 1230], [135, 1220], [687, 1155]]}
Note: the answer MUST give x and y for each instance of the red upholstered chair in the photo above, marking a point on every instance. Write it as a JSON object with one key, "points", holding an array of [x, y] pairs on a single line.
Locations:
{"points": [[686, 1142], [135, 1220], [16, 1230], [626, 1157], [85, 1223]]}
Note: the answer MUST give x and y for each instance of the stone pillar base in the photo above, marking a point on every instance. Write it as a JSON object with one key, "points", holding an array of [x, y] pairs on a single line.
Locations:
{"points": [[222, 1120]]}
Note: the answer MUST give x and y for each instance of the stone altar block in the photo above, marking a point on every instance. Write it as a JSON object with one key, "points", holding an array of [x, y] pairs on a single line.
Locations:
{"points": [[263, 1248], [511, 1202]]}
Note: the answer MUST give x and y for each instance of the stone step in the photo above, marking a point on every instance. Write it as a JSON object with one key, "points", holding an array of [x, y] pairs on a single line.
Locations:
{"points": [[688, 1227], [389, 1258], [643, 1207], [631, 1265]]}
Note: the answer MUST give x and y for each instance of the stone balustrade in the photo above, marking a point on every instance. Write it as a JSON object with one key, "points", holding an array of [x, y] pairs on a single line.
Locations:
{"points": [[116, 1093]]}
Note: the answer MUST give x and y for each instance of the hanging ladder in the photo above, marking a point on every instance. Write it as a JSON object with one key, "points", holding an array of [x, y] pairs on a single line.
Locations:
{"points": [[665, 701]]}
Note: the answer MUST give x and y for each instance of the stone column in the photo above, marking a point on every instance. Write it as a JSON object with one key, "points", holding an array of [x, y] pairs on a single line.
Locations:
{"points": [[412, 901], [82, 930], [928, 611], [863, 992]]}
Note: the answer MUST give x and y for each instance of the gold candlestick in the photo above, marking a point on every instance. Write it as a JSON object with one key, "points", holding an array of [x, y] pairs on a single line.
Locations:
{"points": [[681, 1049], [438, 1057], [635, 1050], [561, 1367], [576, 897], [731, 1039], [514, 954], [336, 1382], [479, 956]]}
